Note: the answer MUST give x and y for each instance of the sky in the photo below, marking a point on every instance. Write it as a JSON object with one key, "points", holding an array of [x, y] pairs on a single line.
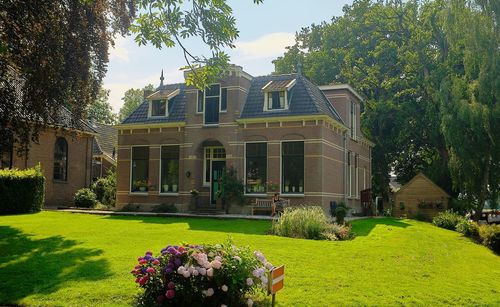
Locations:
{"points": [[265, 30]]}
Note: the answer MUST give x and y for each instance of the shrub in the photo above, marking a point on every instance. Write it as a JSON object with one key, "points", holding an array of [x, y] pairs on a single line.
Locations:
{"points": [[130, 208], [22, 191], [85, 198], [165, 208], [419, 216], [193, 275], [105, 189], [341, 212], [339, 232], [448, 219], [490, 237], [469, 229], [303, 222]]}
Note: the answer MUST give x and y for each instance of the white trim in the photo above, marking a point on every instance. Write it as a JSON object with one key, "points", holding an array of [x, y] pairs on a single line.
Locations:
{"points": [[130, 174], [281, 170], [169, 194], [266, 101], [245, 168], [291, 84], [202, 101], [267, 84], [341, 87], [220, 101], [205, 106]]}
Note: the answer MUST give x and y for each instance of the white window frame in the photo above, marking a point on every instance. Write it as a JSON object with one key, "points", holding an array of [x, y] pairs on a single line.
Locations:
{"points": [[211, 150], [204, 103], [266, 101], [245, 166], [130, 169], [281, 170], [159, 172], [167, 99], [356, 175], [364, 178]]}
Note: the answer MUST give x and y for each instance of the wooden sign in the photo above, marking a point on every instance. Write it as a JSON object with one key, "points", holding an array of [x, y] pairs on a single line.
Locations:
{"points": [[276, 277]]}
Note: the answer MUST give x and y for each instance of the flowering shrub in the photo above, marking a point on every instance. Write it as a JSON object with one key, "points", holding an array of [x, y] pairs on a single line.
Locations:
{"points": [[194, 275]]}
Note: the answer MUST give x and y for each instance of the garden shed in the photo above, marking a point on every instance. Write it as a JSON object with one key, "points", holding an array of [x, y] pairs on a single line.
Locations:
{"points": [[419, 197]]}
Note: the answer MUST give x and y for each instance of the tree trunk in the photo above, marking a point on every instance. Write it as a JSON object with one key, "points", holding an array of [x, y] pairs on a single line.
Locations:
{"points": [[482, 193]]}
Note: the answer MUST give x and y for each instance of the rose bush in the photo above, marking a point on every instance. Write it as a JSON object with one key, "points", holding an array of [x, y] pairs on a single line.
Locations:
{"points": [[201, 275]]}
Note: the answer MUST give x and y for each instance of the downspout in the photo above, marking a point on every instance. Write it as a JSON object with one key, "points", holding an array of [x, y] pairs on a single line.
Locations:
{"points": [[344, 167]]}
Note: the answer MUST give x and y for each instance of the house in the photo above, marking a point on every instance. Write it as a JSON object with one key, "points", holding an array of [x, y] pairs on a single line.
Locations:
{"points": [[420, 196], [104, 150], [64, 150], [280, 133]]}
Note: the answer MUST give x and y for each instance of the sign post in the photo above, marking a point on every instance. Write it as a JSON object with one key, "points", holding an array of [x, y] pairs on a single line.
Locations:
{"points": [[276, 277]]}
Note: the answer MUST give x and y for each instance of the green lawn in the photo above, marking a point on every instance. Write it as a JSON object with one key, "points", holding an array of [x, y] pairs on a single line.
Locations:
{"points": [[55, 258]]}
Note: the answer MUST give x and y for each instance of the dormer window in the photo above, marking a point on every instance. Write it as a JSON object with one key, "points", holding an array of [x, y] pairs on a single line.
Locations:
{"points": [[160, 102], [277, 94]]}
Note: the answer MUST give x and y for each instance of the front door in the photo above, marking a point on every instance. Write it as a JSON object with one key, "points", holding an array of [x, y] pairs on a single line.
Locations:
{"points": [[217, 171]]}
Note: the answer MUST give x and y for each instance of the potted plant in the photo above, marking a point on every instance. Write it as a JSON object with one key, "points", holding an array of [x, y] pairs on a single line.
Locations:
{"points": [[173, 174], [165, 188], [287, 186], [141, 185], [301, 187], [194, 199], [232, 189], [293, 189]]}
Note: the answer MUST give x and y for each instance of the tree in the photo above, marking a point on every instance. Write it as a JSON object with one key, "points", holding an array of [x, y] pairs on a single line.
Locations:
{"points": [[132, 99], [469, 96], [100, 111], [53, 54]]}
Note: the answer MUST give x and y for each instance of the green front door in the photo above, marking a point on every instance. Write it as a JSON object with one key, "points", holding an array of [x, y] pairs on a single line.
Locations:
{"points": [[217, 171]]}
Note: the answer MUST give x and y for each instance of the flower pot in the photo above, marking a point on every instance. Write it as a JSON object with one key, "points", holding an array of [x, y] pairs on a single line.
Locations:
{"points": [[293, 189], [174, 187], [165, 188], [301, 189], [142, 189], [287, 189]]}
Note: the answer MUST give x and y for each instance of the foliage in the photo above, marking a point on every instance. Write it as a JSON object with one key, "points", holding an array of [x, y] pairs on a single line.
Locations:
{"points": [[105, 189], [490, 237], [448, 219], [201, 275], [419, 216], [100, 111], [341, 212], [339, 232], [165, 208], [469, 229], [130, 208], [85, 198], [21, 191], [82, 260], [387, 212], [167, 23], [132, 99], [54, 54], [194, 193], [232, 188]]}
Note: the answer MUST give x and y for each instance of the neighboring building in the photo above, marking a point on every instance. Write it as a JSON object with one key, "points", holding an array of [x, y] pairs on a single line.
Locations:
{"points": [[64, 151], [104, 150], [420, 196], [282, 129]]}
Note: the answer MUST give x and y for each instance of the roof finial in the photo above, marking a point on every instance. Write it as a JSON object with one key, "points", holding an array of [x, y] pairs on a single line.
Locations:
{"points": [[299, 68], [161, 78]]}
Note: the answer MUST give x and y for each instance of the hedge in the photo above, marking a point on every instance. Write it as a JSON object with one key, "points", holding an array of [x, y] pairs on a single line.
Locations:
{"points": [[21, 191]]}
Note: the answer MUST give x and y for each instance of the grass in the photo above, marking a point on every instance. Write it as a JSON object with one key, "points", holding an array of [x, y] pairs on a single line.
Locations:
{"points": [[53, 258]]}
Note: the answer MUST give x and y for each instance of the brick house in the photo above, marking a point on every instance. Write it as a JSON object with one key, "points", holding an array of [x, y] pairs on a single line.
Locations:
{"points": [[280, 129], [64, 150]]}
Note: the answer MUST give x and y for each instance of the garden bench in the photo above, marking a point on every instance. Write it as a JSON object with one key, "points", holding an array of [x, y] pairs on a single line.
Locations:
{"points": [[265, 205]]}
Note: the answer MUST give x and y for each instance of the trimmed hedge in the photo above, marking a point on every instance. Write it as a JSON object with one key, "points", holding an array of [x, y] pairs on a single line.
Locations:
{"points": [[21, 191]]}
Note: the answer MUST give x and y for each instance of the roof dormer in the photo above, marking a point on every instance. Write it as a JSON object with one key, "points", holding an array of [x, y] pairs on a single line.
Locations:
{"points": [[159, 102], [276, 94]]}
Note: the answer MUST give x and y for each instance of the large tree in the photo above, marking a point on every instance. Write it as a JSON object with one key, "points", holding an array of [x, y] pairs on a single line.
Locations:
{"points": [[131, 100], [100, 111]]}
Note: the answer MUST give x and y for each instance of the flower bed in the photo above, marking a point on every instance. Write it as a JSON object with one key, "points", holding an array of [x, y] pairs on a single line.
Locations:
{"points": [[208, 275]]}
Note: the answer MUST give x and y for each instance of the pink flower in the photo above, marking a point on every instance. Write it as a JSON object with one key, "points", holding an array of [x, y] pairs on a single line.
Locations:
{"points": [[171, 285], [218, 258], [186, 274], [249, 281], [237, 258], [137, 267], [202, 271], [180, 270], [143, 261], [137, 279], [143, 280], [224, 288], [156, 262], [170, 294], [210, 292], [195, 273], [249, 303], [210, 272], [151, 270], [216, 264]]}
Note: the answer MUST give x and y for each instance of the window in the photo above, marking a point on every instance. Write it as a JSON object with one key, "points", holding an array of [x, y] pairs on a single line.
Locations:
{"points": [[353, 119], [199, 107], [356, 184], [349, 174], [6, 149], [61, 159], [256, 167], [169, 169], [212, 104], [276, 100], [140, 169], [211, 153], [159, 107], [223, 100], [292, 166]]}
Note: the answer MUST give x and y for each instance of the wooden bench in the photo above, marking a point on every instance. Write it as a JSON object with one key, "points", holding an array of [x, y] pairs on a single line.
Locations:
{"points": [[263, 204]]}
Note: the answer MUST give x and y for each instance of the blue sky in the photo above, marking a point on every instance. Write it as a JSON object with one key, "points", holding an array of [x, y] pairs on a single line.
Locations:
{"points": [[265, 31]]}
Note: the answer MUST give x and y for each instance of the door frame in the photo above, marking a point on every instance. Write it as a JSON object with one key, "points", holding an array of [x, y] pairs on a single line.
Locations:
{"points": [[213, 200]]}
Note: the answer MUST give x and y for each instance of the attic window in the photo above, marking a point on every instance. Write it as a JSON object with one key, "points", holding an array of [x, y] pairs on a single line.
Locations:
{"points": [[159, 107], [276, 94], [160, 102]]}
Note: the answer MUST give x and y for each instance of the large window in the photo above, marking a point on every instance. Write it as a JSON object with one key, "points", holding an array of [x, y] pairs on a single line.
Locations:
{"points": [[256, 167], [223, 100], [169, 169], [61, 159], [140, 169], [292, 167], [212, 104], [356, 175], [159, 107], [276, 100]]}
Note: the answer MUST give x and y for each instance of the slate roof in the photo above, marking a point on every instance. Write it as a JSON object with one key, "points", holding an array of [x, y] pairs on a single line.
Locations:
{"points": [[277, 85], [176, 114], [64, 119], [305, 98], [105, 141]]}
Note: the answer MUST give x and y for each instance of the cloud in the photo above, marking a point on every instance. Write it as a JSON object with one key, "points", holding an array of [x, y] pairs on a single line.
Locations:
{"points": [[120, 51], [267, 46]]}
